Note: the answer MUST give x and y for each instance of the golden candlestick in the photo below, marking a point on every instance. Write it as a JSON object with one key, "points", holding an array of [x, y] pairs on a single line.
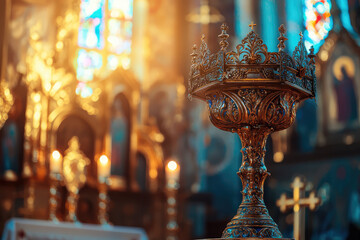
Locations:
{"points": [[172, 173], [252, 92], [103, 176], [103, 201], [55, 180]]}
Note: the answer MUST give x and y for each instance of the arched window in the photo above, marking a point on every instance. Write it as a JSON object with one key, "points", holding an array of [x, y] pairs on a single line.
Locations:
{"points": [[318, 22], [104, 39]]}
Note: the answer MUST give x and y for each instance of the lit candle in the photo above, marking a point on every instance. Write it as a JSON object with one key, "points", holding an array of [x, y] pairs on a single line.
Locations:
{"points": [[103, 167], [172, 173], [55, 162]]}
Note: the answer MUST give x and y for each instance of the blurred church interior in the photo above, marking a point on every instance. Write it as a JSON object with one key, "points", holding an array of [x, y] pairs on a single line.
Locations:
{"points": [[97, 128]]}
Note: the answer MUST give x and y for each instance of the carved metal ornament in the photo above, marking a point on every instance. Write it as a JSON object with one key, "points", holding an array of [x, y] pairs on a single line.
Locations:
{"points": [[252, 92]]}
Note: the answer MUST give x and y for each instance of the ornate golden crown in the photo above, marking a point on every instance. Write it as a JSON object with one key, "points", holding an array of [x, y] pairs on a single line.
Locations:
{"points": [[251, 63]]}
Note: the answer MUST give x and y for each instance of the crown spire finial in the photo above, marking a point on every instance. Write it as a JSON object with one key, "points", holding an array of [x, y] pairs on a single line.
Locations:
{"points": [[301, 36], [193, 54], [224, 36], [252, 25], [312, 55], [282, 38], [203, 37]]}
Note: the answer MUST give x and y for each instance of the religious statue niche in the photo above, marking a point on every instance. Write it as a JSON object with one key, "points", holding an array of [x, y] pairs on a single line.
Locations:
{"points": [[75, 126], [341, 90], [120, 136], [12, 137], [344, 85], [141, 172]]}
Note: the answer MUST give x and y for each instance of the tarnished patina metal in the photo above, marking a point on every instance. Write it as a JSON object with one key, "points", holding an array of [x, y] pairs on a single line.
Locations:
{"points": [[252, 92]]}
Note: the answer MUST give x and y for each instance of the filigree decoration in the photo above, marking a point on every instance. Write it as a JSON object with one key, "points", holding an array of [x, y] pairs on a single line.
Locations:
{"points": [[251, 60], [252, 50], [301, 59], [252, 107], [204, 54]]}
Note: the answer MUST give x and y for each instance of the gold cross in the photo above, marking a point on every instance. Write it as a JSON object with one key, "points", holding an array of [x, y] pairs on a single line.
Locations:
{"points": [[252, 25], [297, 202], [206, 15]]}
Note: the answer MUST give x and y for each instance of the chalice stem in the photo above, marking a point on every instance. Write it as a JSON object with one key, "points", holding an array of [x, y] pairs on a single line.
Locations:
{"points": [[252, 218], [253, 171]]}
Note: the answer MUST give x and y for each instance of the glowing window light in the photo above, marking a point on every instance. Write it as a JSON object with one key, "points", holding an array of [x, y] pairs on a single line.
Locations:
{"points": [[84, 90], [87, 63], [318, 22], [91, 24], [104, 39], [121, 9]]}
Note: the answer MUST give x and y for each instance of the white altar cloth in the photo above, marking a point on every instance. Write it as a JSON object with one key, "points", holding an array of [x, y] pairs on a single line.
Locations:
{"points": [[30, 229]]}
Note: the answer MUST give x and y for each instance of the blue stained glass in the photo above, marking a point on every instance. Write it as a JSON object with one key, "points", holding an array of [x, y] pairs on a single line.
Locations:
{"points": [[318, 22], [91, 24], [91, 35], [320, 7]]}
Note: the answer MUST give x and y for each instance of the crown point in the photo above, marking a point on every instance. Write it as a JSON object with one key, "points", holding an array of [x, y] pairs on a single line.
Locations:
{"points": [[203, 37], [312, 50], [311, 55], [282, 38], [194, 54], [224, 36], [301, 36], [282, 29], [224, 27]]}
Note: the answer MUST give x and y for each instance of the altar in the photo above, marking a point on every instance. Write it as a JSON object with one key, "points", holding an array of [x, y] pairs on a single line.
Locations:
{"points": [[21, 229]]}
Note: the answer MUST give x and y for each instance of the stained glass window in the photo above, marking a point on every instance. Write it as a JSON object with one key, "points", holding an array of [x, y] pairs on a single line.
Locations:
{"points": [[104, 39], [318, 22], [91, 28]]}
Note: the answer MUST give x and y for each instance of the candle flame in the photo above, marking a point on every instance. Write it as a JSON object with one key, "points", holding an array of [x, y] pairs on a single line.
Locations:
{"points": [[172, 165], [104, 160], [56, 155]]}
